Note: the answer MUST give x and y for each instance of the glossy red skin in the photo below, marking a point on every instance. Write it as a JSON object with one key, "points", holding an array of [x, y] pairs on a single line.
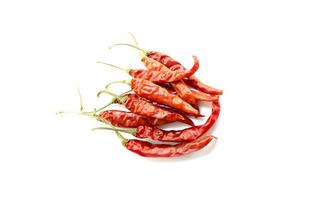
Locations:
{"points": [[148, 149], [185, 135], [128, 120], [139, 106], [191, 81], [153, 92], [165, 75]]}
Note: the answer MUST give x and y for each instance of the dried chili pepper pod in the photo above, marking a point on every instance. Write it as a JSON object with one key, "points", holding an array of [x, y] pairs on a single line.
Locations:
{"points": [[141, 107], [162, 76], [185, 135], [128, 119], [156, 93], [170, 62], [147, 149]]}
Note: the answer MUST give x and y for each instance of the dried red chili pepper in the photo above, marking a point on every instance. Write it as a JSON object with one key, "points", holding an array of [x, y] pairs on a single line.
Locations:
{"points": [[180, 87], [162, 76], [196, 93], [139, 106], [170, 62], [128, 119], [185, 135], [147, 149], [156, 93]]}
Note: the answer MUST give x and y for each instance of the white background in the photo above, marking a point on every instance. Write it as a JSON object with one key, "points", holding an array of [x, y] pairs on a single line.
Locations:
{"points": [[261, 53]]}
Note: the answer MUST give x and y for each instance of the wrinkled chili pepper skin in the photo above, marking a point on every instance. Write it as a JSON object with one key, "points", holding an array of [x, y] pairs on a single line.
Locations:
{"points": [[191, 81], [194, 82], [166, 75], [128, 120], [180, 87], [162, 58], [153, 92], [185, 135], [203, 96], [185, 93], [147, 149], [152, 64], [139, 106]]}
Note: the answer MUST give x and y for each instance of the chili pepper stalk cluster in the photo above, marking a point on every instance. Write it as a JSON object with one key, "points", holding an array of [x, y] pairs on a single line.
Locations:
{"points": [[164, 92]]}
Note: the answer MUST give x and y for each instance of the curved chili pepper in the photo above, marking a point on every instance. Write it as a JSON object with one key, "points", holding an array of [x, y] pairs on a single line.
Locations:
{"points": [[194, 82], [153, 92], [142, 107], [169, 62], [147, 149], [128, 119], [163, 76], [196, 93], [185, 135]]}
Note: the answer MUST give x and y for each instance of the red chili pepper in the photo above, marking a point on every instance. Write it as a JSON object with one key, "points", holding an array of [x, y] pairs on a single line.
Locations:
{"points": [[180, 87], [148, 149], [128, 119], [153, 92], [196, 93], [162, 76], [142, 107], [194, 82], [185, 135], [203, 97], [170, 62]]}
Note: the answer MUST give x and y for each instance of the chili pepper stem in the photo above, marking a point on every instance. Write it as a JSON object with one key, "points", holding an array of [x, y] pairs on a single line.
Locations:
{"points": [[116, 97], [122, 139], [127, 70], [91, 113], [116, 130], [142, 54], [129, 131], [128, 82], [130, 45], [110, 103]]}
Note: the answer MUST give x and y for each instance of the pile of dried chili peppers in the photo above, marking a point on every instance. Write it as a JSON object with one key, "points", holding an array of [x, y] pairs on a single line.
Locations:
{"points": [[163, 93]]}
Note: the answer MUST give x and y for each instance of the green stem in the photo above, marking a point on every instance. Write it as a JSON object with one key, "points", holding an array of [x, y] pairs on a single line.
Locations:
{"points": [[130, 45], [90, 114], [116, 130], [122, 139], [128, 82], [127, 70], [114, 100], [142, 54], [129, 131]]}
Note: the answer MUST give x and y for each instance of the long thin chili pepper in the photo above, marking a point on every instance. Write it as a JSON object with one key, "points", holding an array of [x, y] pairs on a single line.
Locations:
{"points": [[147, 149], [141, 107], [156, 93], [128, 119], [169, 62], [117, 117], [185, 135], [196, 93], [162, 76]]}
